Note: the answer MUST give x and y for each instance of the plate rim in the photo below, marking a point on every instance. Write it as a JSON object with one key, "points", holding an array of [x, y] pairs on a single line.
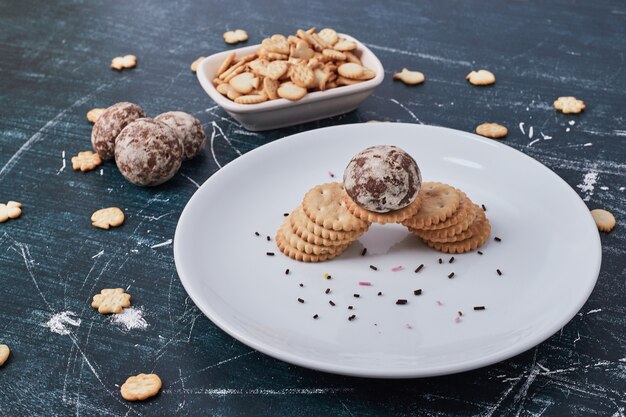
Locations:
{"points": [[422, 372]]}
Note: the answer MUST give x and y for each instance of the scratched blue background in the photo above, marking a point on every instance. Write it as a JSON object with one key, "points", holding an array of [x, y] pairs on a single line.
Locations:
{"points": [[54, 67]]}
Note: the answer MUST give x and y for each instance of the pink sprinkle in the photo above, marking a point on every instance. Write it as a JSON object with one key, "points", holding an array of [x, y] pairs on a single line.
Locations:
{"points": [[365, 283], [408, 326], [331, 174], [439, 303], [457, 319], [397, 268]]}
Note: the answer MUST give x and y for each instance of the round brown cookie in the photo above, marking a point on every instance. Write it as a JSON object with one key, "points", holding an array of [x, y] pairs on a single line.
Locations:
{"points": [[474, 228], [303, 246], [439, 201], [325, 205], [296, 254], [395, 216], [295, 220], [465, 208], [442, 235], [466, 245], [302, 225]]}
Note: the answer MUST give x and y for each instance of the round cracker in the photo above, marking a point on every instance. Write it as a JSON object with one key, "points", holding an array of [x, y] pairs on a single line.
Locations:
{"points": [[296, 220], [472, 228], [326, 206], [604, 220], [395, 216], [439, 201], [303, 226], [303, 246], [296, 254], [465, 209], [442, 235], [466, 245]]}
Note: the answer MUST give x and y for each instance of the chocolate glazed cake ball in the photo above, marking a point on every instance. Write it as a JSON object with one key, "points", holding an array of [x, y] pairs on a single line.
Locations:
{"points": [[382, 178], [188, 128], [110, 124], [148, 152]]}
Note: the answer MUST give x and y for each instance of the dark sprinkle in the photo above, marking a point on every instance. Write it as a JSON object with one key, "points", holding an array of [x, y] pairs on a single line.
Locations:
{"points": [[373, 267], [479, 308], [440, 260], [352, 317], [460, 313], [480, 253], [418, 292], [331, 303], [484, 208], [350, 307], [364, 252], [356, 295], [257, 233], [451, 260], [419, 268], [285, 214], [499, 272], [497, 239], [287, 271], [269, 253], [401, 301], [300, 300], [329, 277], [451, 275], [315, 317], [380, 293], [268, 239], [301, 284], [327, 290]]}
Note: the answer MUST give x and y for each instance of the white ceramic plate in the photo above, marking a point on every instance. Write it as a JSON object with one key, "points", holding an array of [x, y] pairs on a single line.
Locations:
{"points": [[550, 257]]}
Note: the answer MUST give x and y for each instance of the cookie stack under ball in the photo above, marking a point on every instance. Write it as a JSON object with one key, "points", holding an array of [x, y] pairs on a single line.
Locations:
{"points": [[321, 227], [448, 220]]}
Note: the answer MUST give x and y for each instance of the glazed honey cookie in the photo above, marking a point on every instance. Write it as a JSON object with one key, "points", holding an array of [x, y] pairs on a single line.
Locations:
{"points": [[439, 201], [395, 216], [458, 232], [303, 246], [326, 206], [303, 226], [474, 242], [296, 254]]}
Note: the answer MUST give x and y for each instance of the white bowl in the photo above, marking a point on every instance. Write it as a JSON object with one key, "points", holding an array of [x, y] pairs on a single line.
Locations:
{"points": [[273, 114]]}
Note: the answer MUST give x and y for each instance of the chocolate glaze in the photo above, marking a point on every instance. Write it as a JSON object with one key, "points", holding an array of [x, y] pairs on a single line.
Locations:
{"points": [[110, 124], [188, 128], [382, 178]]}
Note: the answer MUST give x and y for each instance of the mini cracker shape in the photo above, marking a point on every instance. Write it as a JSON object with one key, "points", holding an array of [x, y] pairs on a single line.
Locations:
{"points": [[86, 161], [290, 91], [409, 77], [123, 62], [94, 114], [107, 217], [492, 130], [251, 99], [227, 63], [481, 77], [276, 69], [302, 75], [4, 354], [326, 206], [568, 105], [141, 387], [344, 45], [270, 88], [329, 36], [235, 36], [194, 64], [111, 301], [604, 220], [10, 210], [243, 83]]}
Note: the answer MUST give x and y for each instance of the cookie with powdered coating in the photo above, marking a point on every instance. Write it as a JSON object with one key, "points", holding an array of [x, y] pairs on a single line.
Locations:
{"points": [[110, 123], [188, 129]]}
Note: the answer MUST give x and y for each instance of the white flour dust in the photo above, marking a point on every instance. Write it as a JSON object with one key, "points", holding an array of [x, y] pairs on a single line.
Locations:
{"points": [[59, 322], [129, 319], [588, 184]]}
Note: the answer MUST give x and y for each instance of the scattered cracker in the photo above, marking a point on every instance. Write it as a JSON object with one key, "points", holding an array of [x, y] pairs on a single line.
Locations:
{"points": [[569, 105], [409, 77], [94, 114], [235, 36], [124, 62], [111, 301], [492, 130], [4, 354], [10, 210], [194, 64], [481, 77], [141, 387], [86, 161], [107, 217], [604, 220]]}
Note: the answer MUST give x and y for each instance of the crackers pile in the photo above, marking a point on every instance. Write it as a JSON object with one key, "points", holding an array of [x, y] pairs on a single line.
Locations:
{"points": [[321, 227], [290, 67], [448, 220]]}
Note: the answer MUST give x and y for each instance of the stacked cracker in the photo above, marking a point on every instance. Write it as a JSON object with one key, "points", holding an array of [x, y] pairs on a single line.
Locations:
{"points": [[321, 227], [448, 220], [290, 67]]}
